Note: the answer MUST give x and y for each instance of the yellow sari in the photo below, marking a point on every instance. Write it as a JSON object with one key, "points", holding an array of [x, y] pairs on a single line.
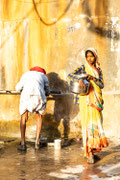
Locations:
{"points": [[91, 107]]}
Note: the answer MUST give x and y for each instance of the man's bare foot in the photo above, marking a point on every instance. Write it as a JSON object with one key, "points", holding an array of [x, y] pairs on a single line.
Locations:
{"points": [[22, 147]]}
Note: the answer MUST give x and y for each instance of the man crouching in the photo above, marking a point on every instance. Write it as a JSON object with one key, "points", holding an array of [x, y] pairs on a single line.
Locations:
{"points": [[34, 87]]}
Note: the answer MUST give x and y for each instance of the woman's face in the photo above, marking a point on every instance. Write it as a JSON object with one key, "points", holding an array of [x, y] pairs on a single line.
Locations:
{"points": [[90, 58]]}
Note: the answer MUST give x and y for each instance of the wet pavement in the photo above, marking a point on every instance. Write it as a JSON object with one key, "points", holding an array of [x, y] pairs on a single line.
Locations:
{"points": [[49, 163]]}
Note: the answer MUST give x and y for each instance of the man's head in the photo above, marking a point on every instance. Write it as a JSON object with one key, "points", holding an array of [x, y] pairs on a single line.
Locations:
{"points": [[38, 69]]}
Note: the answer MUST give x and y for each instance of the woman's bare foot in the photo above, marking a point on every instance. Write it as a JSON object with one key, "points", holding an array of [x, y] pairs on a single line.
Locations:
{"points": [[37, 146], [90, 159]]}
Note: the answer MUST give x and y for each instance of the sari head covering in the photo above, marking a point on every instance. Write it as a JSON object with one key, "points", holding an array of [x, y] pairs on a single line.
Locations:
{"points": [[94, 52], [38, 69]]}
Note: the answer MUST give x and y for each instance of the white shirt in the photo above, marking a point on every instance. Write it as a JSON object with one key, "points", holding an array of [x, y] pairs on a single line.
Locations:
{"points": [[34, 86]]}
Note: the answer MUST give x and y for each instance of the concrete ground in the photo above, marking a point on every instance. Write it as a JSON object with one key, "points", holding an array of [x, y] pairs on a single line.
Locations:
{"points": [[49, 163]]}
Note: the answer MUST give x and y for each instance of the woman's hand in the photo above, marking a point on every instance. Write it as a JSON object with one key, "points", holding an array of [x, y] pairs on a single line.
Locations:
{"points": [[89, 77], [81, 84]]}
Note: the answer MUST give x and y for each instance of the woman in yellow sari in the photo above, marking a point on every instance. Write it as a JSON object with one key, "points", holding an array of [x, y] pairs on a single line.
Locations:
{"points": [[91, 105]]}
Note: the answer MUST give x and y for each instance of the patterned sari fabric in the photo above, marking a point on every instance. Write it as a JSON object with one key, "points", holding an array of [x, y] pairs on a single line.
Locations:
{"points": [[91, 107]]}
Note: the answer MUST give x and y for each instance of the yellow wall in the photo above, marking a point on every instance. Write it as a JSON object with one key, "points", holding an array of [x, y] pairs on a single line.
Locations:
{"points": [[53, 35]]}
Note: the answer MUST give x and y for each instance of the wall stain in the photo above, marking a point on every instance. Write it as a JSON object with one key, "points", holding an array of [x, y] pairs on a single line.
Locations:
{"points": [[2, 78], [99, 26]]}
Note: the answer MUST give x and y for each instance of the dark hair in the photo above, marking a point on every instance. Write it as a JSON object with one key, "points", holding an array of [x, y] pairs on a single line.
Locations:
{"points": [[90, 52]]}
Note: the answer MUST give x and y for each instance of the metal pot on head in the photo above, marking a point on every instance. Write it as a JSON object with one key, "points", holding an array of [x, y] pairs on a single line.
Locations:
{"points": [[74, 85]]}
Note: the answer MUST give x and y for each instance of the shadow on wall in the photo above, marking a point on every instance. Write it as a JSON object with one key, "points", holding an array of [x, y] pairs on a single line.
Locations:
{"points": [[57, 84], [97, 18], [64, 110]]}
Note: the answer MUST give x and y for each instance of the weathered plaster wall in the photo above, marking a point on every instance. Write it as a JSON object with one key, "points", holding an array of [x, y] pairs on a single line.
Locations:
{"points": [[54, 35]]}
